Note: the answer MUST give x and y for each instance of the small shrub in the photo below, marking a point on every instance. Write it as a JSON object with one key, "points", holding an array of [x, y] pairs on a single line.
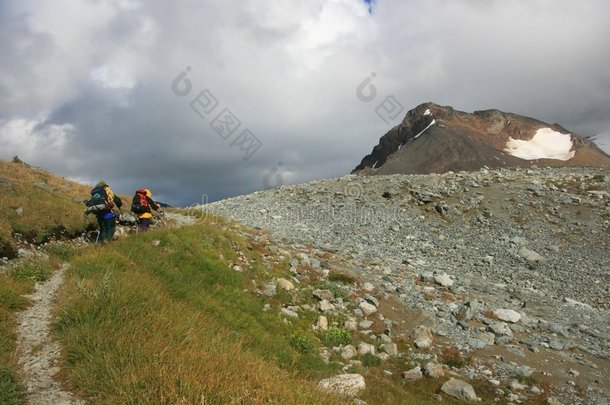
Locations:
{"points": [[304, 342], [370, 360], [31, 270], [17, 160], [337, 291], [62, 251], [452, 358], [527, 379], [342, 278], [335, 337]]}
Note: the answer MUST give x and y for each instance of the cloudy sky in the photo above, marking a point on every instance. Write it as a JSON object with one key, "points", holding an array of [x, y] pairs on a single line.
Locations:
{"points": [[219, 98]]}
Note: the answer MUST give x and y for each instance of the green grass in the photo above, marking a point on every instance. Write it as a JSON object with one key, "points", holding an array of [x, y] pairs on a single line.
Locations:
{"points": [[173, 323], [39, 206], [169, 323], [15, 281]]}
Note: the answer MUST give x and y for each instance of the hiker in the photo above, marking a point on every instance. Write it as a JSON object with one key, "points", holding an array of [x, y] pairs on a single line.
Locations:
{"points": [[142, 205], [102, 204]]}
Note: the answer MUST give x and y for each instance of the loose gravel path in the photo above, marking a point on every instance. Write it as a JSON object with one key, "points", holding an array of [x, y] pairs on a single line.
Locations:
{"points": [[38, 353]]}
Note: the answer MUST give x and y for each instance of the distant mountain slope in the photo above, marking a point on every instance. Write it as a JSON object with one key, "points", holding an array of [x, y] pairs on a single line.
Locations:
{"points": [[437, 139]]}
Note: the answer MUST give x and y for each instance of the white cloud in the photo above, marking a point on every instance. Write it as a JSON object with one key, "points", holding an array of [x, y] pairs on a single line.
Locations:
{"points": [[31, 138], [289, 70]]}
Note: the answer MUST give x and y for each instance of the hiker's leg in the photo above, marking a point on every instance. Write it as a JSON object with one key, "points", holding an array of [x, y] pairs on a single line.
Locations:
{"points": [[111, 224], [144, 224], [101, 222]]}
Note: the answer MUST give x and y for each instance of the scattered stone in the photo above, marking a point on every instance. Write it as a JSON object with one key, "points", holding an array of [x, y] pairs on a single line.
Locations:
{"points": [[529, 255], [289, 312], [443, 279], [423, 337], [325, 306], [348, 352], [365, 348], [390, 348], [434, 370], [413, 375], [322, 323], [284, 284], [459, 389], [324, 295], [19, 211], [368, 287], [507, 315], [367, 308], [500, 329]]}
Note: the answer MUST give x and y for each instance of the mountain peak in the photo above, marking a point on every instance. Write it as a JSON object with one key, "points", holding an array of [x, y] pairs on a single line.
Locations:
{"points": [[435, 139]]}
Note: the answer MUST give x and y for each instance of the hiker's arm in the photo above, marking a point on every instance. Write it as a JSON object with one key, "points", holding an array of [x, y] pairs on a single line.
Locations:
{"points": [[153, 204], [117, 201]]}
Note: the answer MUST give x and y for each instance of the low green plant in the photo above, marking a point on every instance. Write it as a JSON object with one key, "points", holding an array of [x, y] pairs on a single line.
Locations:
{"points": [[304, 342], [337, 291], [31, 270], [370, 360], [335, 337]]}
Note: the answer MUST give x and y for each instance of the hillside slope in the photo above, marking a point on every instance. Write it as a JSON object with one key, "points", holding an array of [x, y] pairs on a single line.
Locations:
{"points": [[511, 265], [37, 206]]}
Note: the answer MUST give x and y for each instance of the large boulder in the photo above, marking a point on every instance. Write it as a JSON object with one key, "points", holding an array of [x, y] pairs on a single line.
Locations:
{"points": [[459, 389], [349, 385]]}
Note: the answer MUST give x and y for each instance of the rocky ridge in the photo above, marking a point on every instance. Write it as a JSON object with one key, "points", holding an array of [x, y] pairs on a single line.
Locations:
{"points": [[509, 267]]}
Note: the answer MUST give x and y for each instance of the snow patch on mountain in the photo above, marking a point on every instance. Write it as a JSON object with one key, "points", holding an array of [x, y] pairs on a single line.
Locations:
{"points": [[429, 125], [545, 144]]}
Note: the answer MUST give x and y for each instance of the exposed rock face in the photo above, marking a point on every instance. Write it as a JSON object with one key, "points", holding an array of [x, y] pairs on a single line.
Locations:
{"points": [[437, 139]]}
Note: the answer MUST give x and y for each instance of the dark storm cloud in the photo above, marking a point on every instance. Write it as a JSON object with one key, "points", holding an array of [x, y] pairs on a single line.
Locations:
{"points": [[89, 94]]}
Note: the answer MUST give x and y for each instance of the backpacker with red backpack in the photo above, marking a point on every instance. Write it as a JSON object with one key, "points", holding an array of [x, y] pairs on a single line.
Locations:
{"points": [[100, 202], [140, 204]]}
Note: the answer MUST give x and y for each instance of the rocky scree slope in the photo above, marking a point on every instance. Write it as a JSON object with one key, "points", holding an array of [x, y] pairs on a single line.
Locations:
{"points": [[510, 265], [436, 139]]}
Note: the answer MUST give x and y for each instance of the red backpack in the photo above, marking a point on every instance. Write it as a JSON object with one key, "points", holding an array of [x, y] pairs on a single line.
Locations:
{"points": [[140, 205]]}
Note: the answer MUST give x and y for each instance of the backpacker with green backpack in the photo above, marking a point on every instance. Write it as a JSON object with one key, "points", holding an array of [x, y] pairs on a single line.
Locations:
{"points": [[99, 203]]}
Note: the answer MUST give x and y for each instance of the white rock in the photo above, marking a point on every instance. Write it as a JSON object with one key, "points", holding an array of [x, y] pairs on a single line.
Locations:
{"points": [[423, 337], [368, 287], [348, 352], [529, 255], [507, 315], [367, 308], [285, 284], [325, 306], [365, 348], [349, 385], [383, 356], [351, 324], [413, 375], [459, 389], [322, 323], [390, 348], [434, 370], [288, 312], [443, 279]]}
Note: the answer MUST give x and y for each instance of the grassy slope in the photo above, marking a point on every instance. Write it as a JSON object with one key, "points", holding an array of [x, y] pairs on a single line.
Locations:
{"points": [[51, 205], [173, 323], [162, 324], [179, 327]]}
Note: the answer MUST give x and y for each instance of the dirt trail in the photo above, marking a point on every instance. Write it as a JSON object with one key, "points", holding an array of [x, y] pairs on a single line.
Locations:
{"points": [[38, 353]]}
